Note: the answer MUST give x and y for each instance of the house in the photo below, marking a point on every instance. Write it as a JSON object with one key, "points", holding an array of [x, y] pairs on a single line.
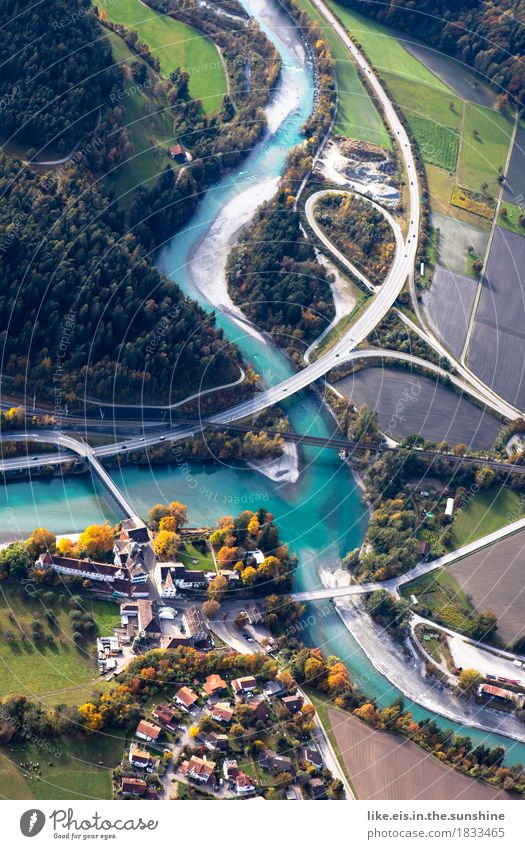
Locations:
{"points": [[259, 705], [133, 787], [244, 685], [307, 755], [217, 742], [166, 717], [274, 688], [222, 712], [188, 579], [86, 569], [178, 153], [144, 615], [317, 788], [424, 549], [128, 555], [195, 624], [256, 554], [498, 694], [177, 637], [135, 529], [293, 703], [274, 762], [164, 581], [186, 698], [241, 784], [199, 769], [214, 684], [148, 731], [140, 758]]}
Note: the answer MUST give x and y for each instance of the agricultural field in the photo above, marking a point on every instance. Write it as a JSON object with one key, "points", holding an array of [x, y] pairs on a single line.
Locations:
{"points": [[464, 82], [488, 511], [493, 578], [76, 768], [383, 48], [448, 306], [146, 119], [437, 589], [497, 347], [386, 766], [484, 149], [434, 117], [53, 662], [514, 186], [175, 45], [408, 403], [455, 239], [357, 116]]}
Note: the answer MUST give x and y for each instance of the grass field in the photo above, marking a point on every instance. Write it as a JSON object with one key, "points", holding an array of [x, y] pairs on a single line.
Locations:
{"points": [[487, 512], [357, 117], [434, 118], [188, 554], [383, 49], [486, 140], [510, 221], [53, 662], [436, 589], [175, 45], [147, 123], [75, 769]]}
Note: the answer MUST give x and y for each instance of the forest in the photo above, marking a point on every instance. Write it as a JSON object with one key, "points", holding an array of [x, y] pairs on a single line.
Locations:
{"points": [[83, 311], [273, 275], [56, 72], [488, 37], [358, 230]]}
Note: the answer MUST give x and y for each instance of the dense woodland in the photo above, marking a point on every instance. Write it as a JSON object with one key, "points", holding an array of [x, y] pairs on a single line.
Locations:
{"points": [[83, 311], [273, 275], [488, 37], [359, 230], [56, 72]]}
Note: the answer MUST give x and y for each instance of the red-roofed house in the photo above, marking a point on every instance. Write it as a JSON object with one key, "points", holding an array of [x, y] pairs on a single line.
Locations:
{"points": [[200, 770], [243, 685], [148, 731], [186, 698], [214, 684]]}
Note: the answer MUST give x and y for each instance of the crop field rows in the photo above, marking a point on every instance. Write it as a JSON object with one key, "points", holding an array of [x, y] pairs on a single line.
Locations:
{"points": [[493, 578], [497, 346], [384, 766], [448, 306], [408, 402]]}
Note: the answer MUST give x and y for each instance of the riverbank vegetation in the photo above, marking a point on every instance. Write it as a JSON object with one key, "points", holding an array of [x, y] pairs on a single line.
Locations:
{"points": [[330, 678], [359, 231]]}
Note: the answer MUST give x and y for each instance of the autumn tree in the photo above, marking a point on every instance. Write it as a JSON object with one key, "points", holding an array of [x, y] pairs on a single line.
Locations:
{"points": [[469, 680], [210, 608], [485, 477], [40, 541], [168, 523], [249, 576], [227, 556], [166, 545], [97, 540], [217, 588]]}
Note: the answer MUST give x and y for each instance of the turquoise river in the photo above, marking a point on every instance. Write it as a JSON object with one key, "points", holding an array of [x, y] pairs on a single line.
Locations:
{"points": [[321, 516]]}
